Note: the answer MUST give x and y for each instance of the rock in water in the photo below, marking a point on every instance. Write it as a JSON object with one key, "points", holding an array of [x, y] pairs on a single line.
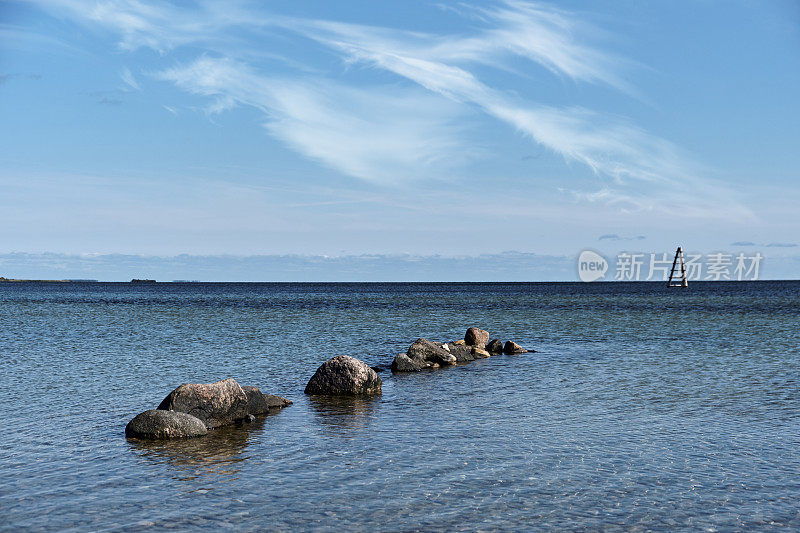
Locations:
{"points": [[159, 424], [512, 348], [495, 347], [424, 350], [463, 354], [460, 342], [403, 363], [480, 353], [344, 375], [476, 337], [216, 404], [259, 403]]}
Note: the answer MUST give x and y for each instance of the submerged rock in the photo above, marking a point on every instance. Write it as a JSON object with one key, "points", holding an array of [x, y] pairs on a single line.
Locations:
{"points": [[160, 424], [495, 347], [424, 350], [512, 348], [259, 403], [344, 375], [215, 404], [476, 337]]}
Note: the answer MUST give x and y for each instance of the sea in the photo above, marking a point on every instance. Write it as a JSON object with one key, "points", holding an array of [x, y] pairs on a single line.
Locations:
{"points": [[643, 408]]}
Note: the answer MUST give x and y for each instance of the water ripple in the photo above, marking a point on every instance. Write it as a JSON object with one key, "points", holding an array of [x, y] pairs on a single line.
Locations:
{"points": [[644, 408]]}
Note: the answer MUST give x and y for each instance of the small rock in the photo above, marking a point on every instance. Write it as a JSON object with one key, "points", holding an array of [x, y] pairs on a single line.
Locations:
{"points": [[512, 348], [424, 350], [480, 353], [495, 347], [459, 342], [403, 363], [249, 419], [476, 337], [344, 375], [277, 402], [216, 404], [259, 403], [160, 424], [463, 354]]}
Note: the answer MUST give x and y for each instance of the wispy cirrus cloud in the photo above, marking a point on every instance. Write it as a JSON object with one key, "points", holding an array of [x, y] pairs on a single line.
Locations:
{"points": [[128, 79], [157, 25], [535, 31], [385, 133], [381, 136], [644, 169], [548, 36]]}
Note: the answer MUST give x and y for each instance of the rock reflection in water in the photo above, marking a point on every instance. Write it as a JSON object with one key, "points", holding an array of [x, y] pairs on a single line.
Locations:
{"points": [[213, 457], [342, 414]]}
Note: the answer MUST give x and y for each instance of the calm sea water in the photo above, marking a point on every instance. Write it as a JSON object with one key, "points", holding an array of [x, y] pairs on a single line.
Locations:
{"points": [[643, 409]]}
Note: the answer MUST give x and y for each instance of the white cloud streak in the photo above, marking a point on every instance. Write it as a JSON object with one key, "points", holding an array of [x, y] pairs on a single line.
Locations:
{"points": [[538, 32], [128, 79], [372, 135], [609, 146], [385, 137]]}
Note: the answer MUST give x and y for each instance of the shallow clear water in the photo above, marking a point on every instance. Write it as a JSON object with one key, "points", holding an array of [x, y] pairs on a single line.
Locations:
{"points": [[644, 408]]}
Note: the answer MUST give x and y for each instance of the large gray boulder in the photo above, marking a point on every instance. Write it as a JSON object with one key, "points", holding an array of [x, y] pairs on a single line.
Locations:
{"points": [[216, 404], [495, 347], [259, 403], [476, 337], [344, 375], [424, 350], [159, 424], [512, 348]]}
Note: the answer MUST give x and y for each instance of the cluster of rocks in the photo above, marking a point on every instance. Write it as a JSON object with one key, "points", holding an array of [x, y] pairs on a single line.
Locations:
{"points": [[475, 345], [193, 409]]}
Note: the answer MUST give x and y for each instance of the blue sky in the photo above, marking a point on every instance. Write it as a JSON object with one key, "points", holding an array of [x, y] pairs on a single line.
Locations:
{"points": [[345, 128]]}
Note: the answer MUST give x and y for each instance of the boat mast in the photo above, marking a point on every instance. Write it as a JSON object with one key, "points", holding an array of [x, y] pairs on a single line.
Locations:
{"points": [[683, 282]]}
